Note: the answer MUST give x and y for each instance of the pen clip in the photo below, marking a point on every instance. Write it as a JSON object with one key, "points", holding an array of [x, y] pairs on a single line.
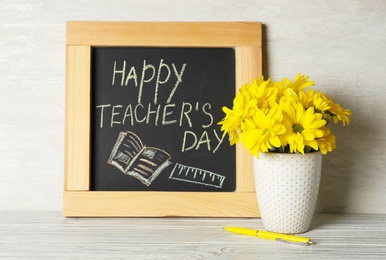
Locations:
{"points": [[294, 243]]}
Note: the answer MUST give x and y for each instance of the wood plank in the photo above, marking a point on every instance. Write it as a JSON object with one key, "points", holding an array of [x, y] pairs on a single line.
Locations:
{"points": [[47, 235], [165, 204], [164, 33], [246, 71], [77, 139]]}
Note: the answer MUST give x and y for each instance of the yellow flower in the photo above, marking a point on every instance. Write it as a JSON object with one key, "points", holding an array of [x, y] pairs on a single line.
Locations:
{"points": [[320, 102], [263, 131], [260, 90], [338, 113], [311, 99], [233, 122], [282, 117], [302, 127], [327, 143], [300, 82]]}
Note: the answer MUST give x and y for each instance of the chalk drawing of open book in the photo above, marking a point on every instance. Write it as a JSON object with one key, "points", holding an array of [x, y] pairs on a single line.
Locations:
{"points": [[135, 159]]}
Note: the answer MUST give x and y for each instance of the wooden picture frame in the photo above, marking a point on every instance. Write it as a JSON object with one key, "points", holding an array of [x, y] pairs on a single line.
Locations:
{"points": [[78, 199]]}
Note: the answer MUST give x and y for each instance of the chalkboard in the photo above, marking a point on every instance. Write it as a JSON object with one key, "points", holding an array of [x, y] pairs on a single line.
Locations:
{"points": [[142, 104], [154, 114]]}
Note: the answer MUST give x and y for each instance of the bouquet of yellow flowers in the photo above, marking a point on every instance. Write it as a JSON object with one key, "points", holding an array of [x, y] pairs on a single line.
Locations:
{"points": [[282, 117]]}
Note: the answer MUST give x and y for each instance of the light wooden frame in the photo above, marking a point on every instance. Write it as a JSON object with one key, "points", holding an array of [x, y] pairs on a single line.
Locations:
{"points": [[78, 200]]}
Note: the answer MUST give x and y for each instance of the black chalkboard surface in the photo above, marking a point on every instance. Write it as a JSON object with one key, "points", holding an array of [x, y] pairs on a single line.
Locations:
{"points": [[154, 119]]}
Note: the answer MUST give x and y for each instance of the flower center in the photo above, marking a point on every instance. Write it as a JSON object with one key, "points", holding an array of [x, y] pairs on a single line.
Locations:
{"points": [[298, 128]]}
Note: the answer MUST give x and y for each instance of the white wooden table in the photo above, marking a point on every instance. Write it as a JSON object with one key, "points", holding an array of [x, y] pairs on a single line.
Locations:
{"points": [[48, 235]]}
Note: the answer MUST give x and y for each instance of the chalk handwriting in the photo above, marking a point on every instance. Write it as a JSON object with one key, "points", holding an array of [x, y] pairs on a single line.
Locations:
{"points": [[160, 75], [159, 81], [150, 114], [179, 80], [191, 141], [161, 115]]}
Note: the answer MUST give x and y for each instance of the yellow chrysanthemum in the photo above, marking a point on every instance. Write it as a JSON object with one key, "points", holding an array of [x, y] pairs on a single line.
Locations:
{"points": [[282, 117], [338, 113], [260, 90], [233, 121], [321, 102], [314, 99], [327, 143], [302, 127], [300, 82], [263, 131]]}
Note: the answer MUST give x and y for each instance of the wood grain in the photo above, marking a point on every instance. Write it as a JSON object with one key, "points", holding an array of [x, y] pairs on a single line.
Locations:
{"points": [[47, 235], [162, 204], [246, 71], [77, 140], [187, 34]]}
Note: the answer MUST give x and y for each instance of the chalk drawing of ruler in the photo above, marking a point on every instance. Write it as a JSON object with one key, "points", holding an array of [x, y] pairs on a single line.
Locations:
{"points": [[195, 175]]}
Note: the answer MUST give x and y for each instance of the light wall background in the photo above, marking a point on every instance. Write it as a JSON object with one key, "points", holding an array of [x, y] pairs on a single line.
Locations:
{"points": [[340, 44]]}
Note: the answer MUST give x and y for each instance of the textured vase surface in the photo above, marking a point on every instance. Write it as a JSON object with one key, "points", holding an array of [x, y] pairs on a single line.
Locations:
{"points": [[287, 187]]}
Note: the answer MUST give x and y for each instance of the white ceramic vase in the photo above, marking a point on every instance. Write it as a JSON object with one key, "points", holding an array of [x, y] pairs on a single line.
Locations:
{"points": [[287, 187]]}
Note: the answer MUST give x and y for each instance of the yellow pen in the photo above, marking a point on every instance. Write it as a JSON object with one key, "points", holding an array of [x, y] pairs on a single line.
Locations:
{"points": [[289, 239]]}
